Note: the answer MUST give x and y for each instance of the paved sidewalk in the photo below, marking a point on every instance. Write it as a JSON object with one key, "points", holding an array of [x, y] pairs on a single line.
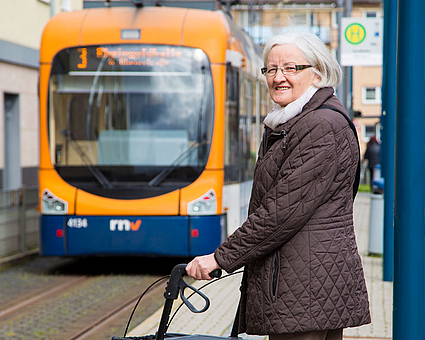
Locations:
{"points": [[380, 292], [224, 296]]}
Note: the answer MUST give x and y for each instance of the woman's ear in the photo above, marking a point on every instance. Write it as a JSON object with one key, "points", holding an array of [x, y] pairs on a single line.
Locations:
{"points": [[317, 78]]}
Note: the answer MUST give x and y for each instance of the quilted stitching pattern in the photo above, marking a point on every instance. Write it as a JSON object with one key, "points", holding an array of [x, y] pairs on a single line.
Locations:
{"points": [[301, 214]]}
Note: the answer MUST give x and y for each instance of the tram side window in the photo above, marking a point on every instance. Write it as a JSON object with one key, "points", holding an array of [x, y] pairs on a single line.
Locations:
{"points": [[231, 148], [238, 162], [245, 126]]}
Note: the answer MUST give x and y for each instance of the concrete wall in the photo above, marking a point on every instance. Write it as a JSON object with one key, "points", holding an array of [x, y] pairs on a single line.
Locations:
{"points": [[19, 221]]}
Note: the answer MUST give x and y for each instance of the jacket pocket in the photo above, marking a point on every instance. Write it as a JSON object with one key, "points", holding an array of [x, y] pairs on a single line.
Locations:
{"points": [[274, 275]]}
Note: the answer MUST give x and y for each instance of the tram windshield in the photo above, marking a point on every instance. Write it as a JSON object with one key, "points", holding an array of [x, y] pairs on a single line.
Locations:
{"points": [[130, 121]]}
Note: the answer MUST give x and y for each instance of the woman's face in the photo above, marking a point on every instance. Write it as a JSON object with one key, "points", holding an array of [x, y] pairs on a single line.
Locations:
{"points": [[285, 89]]}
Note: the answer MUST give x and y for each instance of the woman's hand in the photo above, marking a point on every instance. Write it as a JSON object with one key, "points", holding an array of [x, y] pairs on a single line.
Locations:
{"points": [[200, 267]]}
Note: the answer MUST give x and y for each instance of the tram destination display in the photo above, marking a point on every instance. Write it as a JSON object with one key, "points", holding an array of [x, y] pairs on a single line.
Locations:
{"points": [[130, 58]]}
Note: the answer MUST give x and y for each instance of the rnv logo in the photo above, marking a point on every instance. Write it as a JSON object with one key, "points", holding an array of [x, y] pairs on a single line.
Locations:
{"points": [[124, 225]]}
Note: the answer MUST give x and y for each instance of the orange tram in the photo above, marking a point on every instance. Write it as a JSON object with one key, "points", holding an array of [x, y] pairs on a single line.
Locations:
{"points": [[149, 126]]}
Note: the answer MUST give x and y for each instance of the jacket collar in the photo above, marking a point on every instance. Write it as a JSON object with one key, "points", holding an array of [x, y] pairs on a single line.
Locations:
{"points": [[321, 96]]}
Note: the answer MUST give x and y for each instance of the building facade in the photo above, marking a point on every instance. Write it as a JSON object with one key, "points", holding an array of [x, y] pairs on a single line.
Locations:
{"points": [[21, 26], [320, 17]]}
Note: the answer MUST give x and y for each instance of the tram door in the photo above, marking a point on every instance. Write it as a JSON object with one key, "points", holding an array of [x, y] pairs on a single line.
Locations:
{"points": [[12, 165]]}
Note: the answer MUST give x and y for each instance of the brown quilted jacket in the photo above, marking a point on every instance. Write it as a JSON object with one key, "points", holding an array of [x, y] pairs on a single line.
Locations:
{"points": [[302, 267]]}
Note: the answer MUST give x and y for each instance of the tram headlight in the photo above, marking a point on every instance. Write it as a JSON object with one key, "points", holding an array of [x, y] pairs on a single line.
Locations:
{"points": [[204, 205], [53, 205]]}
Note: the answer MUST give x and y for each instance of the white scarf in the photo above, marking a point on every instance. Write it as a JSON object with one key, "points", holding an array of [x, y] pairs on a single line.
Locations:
{"points": [[279, 115]]}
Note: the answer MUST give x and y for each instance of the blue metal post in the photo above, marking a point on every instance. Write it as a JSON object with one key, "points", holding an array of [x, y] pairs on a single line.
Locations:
{"points": [[388, 131], [409, 208]]}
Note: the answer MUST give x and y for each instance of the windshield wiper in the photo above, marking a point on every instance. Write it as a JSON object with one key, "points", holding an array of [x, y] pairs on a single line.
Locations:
{"points": [[104, 182], [164, 173]]}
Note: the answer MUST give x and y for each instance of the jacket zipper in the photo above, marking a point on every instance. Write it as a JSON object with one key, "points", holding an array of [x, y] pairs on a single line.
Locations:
{"points": [[274, 279], [273, 137]]}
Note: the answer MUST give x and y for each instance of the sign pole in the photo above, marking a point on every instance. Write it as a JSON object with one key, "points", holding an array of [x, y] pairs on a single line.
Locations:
{"points": [[344, 90], [388, 132], [348, 70]]}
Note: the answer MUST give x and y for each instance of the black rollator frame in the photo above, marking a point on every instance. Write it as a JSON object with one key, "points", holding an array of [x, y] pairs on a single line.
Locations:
{"points": [[176, 285]]}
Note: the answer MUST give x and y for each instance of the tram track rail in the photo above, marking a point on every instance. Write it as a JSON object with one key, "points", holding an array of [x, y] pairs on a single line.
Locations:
{"points": [[92, 299], [104, 320], [83, 328], [39, 297]]}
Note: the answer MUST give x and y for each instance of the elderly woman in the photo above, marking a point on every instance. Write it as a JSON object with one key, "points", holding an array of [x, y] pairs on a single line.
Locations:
{"points": [[303, 274]]}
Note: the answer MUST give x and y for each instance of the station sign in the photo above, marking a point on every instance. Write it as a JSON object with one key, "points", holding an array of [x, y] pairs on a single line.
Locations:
{"points": [[361, 41]]}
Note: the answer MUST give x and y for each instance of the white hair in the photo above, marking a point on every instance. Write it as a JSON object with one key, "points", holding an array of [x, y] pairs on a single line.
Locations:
{"points": [[315, 51]]}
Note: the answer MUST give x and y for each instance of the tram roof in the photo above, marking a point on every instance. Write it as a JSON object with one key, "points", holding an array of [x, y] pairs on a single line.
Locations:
{"points": [[208, 30], [214, 4], [198, 4]]}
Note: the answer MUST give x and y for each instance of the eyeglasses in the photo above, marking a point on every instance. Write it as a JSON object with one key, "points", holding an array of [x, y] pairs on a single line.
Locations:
{"points": [[288, 70]]}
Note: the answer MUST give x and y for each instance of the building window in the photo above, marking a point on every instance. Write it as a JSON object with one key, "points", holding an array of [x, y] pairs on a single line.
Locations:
{"points": [[300, 19], [66, 5], [371, 95], [255, 17], [372, 14], [368, 131], [243, 18], [334, 19]]}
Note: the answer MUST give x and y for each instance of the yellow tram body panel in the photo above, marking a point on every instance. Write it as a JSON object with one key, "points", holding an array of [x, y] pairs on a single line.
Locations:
{"points": [[206, 30], [216, 159], [167, 204], [45, 161], [207, 181]]}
